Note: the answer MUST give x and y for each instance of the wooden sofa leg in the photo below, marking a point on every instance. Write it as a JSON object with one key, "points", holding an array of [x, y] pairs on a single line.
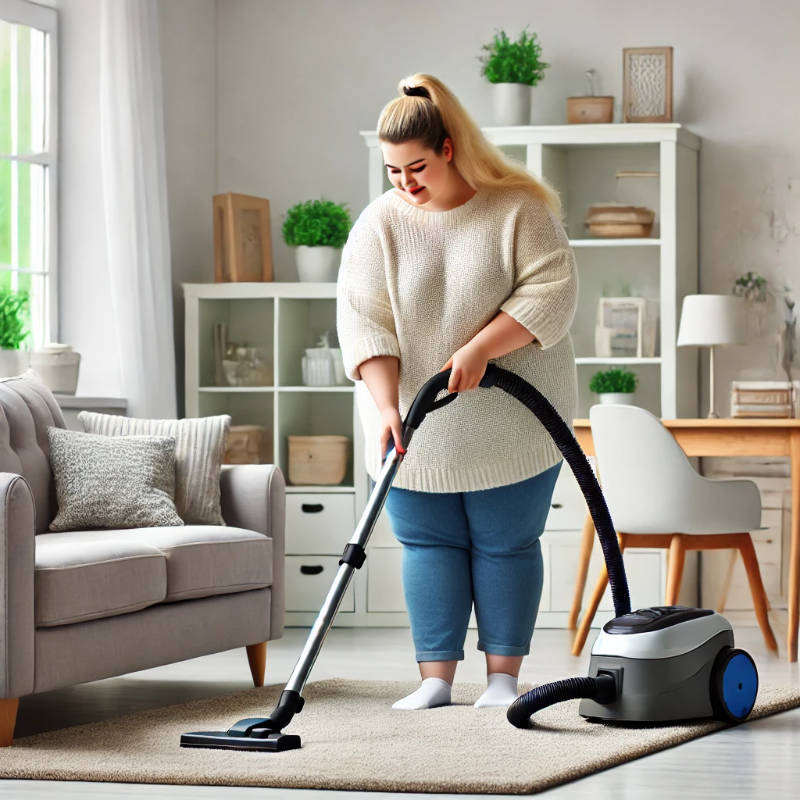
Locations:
{"points": [[8, 719], [257, 658]]}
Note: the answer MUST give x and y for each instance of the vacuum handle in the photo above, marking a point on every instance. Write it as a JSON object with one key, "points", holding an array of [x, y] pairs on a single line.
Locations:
{"points": [[425, 400]]}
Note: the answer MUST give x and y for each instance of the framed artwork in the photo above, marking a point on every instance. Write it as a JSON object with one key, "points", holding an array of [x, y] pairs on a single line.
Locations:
{"points": [[647, 84], [242, 239]]}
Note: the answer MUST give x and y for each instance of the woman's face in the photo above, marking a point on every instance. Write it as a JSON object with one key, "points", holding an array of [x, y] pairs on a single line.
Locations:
{"points": [[422, 176]]}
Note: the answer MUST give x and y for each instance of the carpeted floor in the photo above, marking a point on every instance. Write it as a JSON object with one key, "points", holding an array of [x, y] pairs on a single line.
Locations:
{"points": [[353, 740]]}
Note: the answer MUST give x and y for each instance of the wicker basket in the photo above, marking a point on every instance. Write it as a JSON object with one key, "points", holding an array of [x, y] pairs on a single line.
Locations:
{"points": [[248, 444], [618, 221], [318, 460]]}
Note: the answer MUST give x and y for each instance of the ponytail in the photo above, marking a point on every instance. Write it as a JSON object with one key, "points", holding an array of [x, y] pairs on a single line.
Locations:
{"points": [[428, 111]]}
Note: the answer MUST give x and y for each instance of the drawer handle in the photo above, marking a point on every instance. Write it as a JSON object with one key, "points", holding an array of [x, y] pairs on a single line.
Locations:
{"points": [[556, 505], [312, 508], [306, 570]]}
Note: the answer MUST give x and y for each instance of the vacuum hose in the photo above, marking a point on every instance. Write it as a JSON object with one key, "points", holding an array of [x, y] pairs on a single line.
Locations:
{"points": [[603, 687], [560, 433]]}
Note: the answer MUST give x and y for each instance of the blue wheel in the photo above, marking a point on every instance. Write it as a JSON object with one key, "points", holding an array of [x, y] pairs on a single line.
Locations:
{"points": [[734, 685]]}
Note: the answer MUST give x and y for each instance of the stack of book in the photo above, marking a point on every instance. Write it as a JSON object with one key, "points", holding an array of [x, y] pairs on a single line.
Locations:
{"points": [[761, 399]]}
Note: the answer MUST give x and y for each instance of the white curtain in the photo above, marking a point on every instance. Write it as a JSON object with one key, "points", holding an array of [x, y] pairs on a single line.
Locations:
{"points": [[135, 204]]}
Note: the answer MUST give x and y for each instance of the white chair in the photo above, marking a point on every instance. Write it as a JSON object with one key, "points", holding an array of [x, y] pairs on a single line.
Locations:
{"points": [[657, 499]]}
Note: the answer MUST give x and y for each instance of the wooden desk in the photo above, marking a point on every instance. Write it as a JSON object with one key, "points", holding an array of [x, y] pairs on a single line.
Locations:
{"points": [[740, 437]]}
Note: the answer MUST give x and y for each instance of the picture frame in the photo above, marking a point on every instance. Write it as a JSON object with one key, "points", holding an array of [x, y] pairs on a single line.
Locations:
{"points": [[625, 327], [647, 84], [242, 238]]}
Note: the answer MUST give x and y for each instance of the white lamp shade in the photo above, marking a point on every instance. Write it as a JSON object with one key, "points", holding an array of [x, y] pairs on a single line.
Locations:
{"points": [[711, 319]]}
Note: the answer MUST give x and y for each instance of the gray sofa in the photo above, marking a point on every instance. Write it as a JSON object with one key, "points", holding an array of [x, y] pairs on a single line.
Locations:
{"points": [[83, 605]]}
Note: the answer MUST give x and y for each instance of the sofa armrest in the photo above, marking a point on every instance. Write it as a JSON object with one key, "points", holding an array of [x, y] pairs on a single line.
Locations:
{"points": [[17, 549], [254, 497]]}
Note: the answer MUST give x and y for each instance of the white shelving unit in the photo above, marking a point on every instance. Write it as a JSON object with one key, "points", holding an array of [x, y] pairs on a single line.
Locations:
{"points": [[581, 161]]}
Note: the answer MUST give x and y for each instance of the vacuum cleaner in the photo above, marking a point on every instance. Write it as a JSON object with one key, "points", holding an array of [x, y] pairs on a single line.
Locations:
{"points": [[659, 664]]}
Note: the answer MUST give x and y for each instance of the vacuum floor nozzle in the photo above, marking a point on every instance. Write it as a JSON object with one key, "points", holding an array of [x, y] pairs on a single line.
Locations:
{"points": [[221, 740]]}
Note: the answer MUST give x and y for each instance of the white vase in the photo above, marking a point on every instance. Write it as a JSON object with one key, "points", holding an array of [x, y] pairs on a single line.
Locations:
{"points": [[318, 264], [12, 362], [619, 398], [512, 103]]}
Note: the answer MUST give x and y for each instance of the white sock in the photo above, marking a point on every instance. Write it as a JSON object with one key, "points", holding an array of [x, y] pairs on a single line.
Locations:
{"points": [[433, 692], [502, 691]]}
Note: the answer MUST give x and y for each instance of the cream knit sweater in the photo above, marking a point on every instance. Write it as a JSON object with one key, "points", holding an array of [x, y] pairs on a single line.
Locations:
{"points": [[419, 285]]}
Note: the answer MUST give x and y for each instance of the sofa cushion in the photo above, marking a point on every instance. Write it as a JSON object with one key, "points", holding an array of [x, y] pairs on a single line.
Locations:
{"points": [[205, 560], [199, 449], [83, 575], [106, 482]]}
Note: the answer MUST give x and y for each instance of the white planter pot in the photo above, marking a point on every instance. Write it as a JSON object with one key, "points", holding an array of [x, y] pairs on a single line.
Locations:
{"points": [[619, 398], [318, 264], [58, 367], [12, 362], [512, 103]]}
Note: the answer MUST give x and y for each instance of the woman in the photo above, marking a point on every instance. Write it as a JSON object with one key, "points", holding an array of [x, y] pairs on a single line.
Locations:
{"points": [[464, 260]]}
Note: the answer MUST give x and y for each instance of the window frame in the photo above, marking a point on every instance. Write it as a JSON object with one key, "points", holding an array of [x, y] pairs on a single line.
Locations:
{"points": [[43, 18]]}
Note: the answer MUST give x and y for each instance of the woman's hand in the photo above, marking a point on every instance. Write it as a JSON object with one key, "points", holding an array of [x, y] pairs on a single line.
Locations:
{"points": [[469, 366], [391, 431]]}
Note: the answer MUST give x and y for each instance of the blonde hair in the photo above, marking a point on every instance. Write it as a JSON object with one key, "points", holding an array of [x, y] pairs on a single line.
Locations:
{"points": [[427, 110]]}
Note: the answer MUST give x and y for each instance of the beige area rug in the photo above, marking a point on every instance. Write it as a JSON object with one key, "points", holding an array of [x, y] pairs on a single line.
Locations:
{"points": [[353, 740]]}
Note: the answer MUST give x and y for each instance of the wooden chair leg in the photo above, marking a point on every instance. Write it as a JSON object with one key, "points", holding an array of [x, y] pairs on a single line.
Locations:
{"points": [[726, 581], [257, 658], [585, 555], [590, 611], [8, 719], [591, 608], [757, 590], [677, 556]]}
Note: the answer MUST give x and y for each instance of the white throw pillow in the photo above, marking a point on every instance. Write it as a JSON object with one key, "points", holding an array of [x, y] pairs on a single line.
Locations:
{"points": [[199, 450]]}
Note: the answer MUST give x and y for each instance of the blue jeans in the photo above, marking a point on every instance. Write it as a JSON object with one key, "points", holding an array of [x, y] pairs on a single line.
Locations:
{"points": [[465, 547]]}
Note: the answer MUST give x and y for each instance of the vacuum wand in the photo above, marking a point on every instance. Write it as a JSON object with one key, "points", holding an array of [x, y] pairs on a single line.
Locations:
{"points": [[265, 733]]}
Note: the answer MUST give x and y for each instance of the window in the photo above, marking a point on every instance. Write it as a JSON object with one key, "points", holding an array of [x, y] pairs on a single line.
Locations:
{"points": [[28, 166]]}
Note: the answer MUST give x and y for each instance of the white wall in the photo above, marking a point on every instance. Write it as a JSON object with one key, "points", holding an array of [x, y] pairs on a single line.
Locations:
{"points": [[188, 57], [267, 97], [297, 80]]}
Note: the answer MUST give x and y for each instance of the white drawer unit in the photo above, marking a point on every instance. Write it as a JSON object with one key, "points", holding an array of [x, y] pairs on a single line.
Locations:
{"points": [[385, 579], [382, 535], [308, 579], [567, 506], [319, 523]]}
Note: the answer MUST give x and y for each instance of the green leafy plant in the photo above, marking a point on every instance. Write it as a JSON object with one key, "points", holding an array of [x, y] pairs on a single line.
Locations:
{"points": [[751, 286], [613, 380], [13, 308], [317, 223], [506, 61]]}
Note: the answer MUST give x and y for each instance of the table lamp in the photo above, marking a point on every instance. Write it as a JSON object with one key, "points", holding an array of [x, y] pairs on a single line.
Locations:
{"points": [[710, 320]]}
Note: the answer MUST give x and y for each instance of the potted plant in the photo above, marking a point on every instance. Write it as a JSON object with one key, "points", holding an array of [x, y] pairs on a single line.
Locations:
{"points": [[13, 316], [318, 228], [614, 385], [513, 68]]}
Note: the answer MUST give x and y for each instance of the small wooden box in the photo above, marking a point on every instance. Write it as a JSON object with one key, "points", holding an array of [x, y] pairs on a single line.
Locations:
{"points": [[318, 460], [242, 239], [590, 109], [248, 444]]}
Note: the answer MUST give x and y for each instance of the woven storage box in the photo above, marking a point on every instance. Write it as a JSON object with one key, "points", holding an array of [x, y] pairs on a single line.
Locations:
{"points": [[614, 220], [318, 459], [248, 444]]}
